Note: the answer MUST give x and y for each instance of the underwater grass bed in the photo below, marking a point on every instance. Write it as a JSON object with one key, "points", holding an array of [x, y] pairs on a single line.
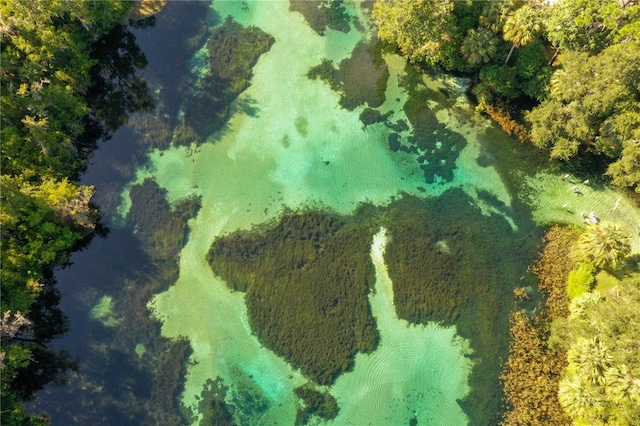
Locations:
{"points": [[306, 282]]}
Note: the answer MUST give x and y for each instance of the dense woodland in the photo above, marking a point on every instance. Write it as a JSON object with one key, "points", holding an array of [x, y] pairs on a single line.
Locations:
{"points": [[561, 75]]}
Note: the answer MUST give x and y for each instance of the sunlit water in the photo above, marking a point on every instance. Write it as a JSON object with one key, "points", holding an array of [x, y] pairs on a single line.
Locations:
{"points": [[302, 149]]}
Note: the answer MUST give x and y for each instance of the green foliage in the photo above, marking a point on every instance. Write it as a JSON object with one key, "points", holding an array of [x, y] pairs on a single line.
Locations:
{"points": [[33, 238], [47, 130], [424, 31], [625, 172], [521, 27], [589, 104], [46, 62], [604, 245], [593, 105], [590, 25], [600, 384], [581, 280], [606, 282], [479, 46]]}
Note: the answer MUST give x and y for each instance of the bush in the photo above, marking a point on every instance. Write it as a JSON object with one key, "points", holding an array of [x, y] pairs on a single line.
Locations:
{"points": [[581, 280]]}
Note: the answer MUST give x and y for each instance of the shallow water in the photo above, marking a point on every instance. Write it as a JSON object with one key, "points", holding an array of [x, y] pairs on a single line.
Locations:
{"points": [[301, 149], [294, 147]]}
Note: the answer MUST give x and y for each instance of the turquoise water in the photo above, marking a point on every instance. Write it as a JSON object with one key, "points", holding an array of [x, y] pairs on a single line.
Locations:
{"points": [[301, 149], [289, 145]]}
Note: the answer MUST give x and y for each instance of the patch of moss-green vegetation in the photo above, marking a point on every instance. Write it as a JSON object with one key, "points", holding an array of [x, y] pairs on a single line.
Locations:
{"points": [[213, 408], [606, 282], [371, 116], [581, 280], [360, 78], [233, 50], [323, 15], [452, 265], [315, 403], [306, 281]]}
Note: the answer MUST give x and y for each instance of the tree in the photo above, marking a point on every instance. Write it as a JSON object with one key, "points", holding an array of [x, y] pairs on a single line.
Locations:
{"points": [[479, 46], [601, 384], [521, 28], [593, 104], [625, 172], [590, 25], [46, 137], [604, 245], [424, 31]]}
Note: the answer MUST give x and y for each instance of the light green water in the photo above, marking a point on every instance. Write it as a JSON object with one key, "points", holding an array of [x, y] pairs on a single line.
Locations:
{"points": [[553, 201], [302, 149], [417, 371]]}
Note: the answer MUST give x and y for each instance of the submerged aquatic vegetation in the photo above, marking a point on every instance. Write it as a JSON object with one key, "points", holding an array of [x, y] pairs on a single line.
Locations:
{"points": [[315, 403], [323, 15], [360, 79], [553, 266], [451, 264], [532, 374], [306, 281], [233, 50]]}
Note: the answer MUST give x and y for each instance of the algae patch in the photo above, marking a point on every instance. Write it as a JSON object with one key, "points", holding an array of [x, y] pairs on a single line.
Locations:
{"points": [[103, 312]]}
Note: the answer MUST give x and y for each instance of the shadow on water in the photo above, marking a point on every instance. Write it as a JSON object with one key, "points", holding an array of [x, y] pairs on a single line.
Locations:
{"points": [[116, 367], [128, 373]]}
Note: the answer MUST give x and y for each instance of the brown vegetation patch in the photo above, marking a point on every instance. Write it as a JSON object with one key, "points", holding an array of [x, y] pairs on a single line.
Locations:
{"points": [[361, 78], [508, 124], [532, 374], [307, 281], [233, 50], [553, 267], [533, 371]]}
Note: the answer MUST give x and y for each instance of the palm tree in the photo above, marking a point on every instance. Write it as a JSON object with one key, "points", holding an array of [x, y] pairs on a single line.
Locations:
{"points": [[479, 46], [577, 398], [621, 384], [590, 359], [604, 245], [521, 28]]}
